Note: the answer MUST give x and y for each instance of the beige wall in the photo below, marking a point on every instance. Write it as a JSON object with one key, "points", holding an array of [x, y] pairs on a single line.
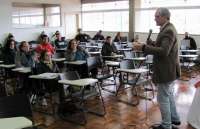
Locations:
{"points": [[67, 6]]}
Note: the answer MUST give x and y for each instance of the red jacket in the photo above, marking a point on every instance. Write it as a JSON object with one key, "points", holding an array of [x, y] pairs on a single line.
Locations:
{"points": [[45, 46]]}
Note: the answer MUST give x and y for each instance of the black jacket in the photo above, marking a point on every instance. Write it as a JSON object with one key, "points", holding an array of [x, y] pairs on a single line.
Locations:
{"points": [[98, 37], [43, 68], [9, 56], [82, 37], [107, 49], [193, 45]]}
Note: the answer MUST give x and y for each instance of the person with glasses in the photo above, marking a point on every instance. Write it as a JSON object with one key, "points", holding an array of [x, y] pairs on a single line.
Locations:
{"points": [[166, 67], [25, 57]]}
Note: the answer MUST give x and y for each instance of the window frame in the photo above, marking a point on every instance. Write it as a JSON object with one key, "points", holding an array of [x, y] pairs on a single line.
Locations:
{"points": [[185, 27], [103, 13], [17, 5]]}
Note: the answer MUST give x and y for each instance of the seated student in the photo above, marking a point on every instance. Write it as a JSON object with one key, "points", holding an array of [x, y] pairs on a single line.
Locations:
{"points": [[11, 37], [45, 45], [46, 64], [74, 52], [82, 37], [193, 45], [9, 52], [24, 56], [59, 41], [39, 40], [98, 36], [118, 37], [108, 47]]}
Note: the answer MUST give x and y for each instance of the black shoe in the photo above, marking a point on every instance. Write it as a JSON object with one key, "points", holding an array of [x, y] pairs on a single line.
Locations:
{"points": [[158, 127], [176, 122]]}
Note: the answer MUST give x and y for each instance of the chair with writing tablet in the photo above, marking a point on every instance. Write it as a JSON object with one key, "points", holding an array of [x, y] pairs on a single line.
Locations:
{"points": [[133, 77], [92, 64], [17, 108], [80, 94]]}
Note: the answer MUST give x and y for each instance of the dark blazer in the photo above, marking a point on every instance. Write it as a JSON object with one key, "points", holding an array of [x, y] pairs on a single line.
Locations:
{"points": [[107, 49], [166, 61], [9, 56]]}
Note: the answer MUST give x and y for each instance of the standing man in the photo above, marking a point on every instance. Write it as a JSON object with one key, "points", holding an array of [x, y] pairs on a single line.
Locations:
{"points": [[165, 67]]}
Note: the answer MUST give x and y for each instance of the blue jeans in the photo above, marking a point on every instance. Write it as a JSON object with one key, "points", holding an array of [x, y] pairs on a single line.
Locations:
{"points": [[167, 104]]}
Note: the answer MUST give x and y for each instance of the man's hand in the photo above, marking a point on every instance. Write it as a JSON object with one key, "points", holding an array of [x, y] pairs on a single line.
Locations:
{"points": [[150, 42], [137, 46]]}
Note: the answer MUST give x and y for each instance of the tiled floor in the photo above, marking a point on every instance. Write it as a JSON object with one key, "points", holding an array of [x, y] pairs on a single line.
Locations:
{"points": [[123, 116]]}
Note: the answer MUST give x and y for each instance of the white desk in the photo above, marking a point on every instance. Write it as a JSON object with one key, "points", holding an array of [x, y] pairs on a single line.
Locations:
{"points": [[78, 62], [95, 53], [194, 113], [189, 51], [82, 83], [22, 70], [112, 63], [91, 46], [7, 65], [133, 82], [189, 56], [125, 49], [15, 123], [134, 71], [79, 82], [45, 76], [114, 56], [58, 59], [136, 58]]}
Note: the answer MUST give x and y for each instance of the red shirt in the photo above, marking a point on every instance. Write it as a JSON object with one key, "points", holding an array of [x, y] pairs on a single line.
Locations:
{"points": [[45, 47]]}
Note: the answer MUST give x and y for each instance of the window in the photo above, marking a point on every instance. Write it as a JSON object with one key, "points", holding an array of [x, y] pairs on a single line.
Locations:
{"points": [[92, 21], [105, 6], [53, 16], [107, 16], [168, 3], [28, 16], [31, 15], [185, 15]]}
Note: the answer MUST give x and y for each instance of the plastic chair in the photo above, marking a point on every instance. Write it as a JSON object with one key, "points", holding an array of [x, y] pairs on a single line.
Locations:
{"points": [[92, 64], [16, 106], [77, 96]]}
